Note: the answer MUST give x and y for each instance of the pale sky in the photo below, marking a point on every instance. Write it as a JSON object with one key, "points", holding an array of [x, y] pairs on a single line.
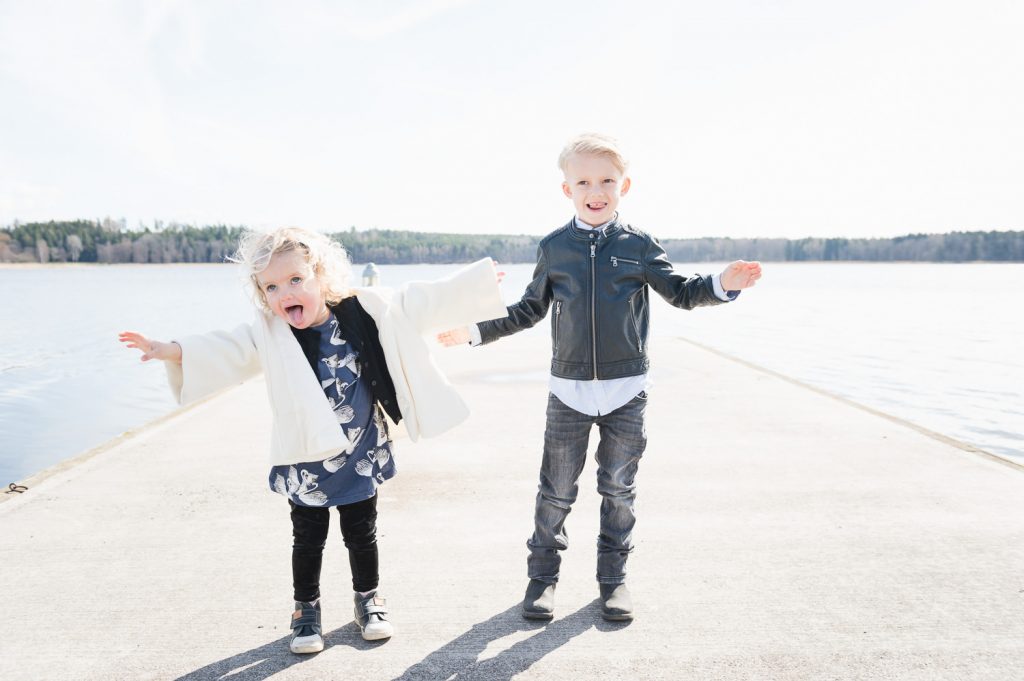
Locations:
{"points": [[740, 118]]}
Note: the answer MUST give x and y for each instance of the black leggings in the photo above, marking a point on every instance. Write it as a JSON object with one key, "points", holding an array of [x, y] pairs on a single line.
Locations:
{"points": [[359, 532]]}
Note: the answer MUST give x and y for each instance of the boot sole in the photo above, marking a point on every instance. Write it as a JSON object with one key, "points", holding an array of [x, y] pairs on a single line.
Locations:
{"points": [[538, 615], [307, 648], [612, 617], [375, 635]]}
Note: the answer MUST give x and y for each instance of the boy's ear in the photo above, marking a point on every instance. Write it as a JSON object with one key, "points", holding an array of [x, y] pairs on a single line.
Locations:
{"points": [[567, 190], [626, 183]]}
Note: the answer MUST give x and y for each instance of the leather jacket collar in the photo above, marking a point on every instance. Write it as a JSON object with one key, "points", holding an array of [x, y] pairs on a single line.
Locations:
{"points": [[585, 234]]}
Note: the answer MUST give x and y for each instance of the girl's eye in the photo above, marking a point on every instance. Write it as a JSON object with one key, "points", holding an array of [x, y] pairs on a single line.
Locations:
{"points": [[296, 280], [270, 288]]}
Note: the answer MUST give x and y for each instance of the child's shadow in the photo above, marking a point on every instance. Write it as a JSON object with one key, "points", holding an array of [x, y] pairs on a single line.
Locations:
{"points": [[269, 659], [458, 659]]}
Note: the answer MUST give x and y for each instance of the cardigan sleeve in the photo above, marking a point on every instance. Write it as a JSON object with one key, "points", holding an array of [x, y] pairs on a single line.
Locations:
{"points": [[213, 361], [466, 296]]}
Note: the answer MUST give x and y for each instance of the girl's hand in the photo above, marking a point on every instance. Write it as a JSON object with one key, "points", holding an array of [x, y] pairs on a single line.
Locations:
{"points": [[452, 337], [151, 349], [740, 275]]}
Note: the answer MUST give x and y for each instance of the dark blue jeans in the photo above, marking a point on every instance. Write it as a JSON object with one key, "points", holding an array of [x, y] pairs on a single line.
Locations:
{"points": [[622, 443]]}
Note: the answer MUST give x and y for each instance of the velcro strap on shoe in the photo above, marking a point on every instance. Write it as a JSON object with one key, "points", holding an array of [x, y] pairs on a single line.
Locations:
{"points": [[306, 618]]}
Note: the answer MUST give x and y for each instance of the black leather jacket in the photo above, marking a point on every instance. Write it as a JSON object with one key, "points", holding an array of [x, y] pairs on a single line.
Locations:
{"points": [[597, 282]]}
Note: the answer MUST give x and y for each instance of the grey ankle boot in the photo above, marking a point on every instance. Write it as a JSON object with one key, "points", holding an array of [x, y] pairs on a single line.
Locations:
{"points": [[616, 603], [371, 614], [539, 602], [306, 631]]}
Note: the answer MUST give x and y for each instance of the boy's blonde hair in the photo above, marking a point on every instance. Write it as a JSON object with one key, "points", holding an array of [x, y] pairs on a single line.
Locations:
{"points": [[326, 257], [593, 143]]}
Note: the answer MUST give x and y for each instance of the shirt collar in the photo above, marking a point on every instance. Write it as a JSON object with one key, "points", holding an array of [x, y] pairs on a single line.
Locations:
{"points": [[601, 228]]}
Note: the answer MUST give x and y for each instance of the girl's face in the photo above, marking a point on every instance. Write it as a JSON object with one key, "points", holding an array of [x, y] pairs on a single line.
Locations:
{"points": [[292, 290]]}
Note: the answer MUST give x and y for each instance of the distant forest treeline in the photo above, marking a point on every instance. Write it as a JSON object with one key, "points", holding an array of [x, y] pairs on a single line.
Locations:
{"points": [[110, 241]]}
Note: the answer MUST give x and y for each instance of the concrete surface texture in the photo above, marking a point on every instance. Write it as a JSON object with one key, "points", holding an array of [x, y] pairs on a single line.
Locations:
{"points": [[782, 534]]}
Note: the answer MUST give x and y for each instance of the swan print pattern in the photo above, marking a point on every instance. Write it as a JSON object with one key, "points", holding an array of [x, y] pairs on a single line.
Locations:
{"points": [[367, 460]]}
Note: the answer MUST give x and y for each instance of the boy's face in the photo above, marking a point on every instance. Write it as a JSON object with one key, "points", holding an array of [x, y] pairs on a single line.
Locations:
{"points": [[292, 290], [595, 186]]}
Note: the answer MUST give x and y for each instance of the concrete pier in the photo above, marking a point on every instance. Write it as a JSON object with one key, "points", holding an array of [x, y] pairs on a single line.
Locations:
{"points": [[783, 534]]}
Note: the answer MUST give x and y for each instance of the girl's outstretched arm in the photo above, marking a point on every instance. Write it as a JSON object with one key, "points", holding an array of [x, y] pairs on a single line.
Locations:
{"points": [[151, 349], [467, 296]]}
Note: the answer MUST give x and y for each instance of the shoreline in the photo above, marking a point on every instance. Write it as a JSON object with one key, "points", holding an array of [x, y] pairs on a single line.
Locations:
{"points": [[65, 464], [935, 435]]}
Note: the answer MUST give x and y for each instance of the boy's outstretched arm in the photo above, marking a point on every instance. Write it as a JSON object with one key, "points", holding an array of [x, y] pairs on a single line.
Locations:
{"points": [[740, 274], [151, 349]]}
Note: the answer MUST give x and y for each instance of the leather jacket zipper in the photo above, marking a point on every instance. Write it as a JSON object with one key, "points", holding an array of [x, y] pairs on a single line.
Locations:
{"points": [[636, 327], [616, 259], [593, 303], [558, 320]]}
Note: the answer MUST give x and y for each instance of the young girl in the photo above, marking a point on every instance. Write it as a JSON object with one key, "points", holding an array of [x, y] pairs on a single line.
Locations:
{"points": [[336, 360]]}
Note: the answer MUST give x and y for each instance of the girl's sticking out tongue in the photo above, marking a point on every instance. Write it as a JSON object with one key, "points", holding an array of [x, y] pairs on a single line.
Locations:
{"points": [[294, 313]]}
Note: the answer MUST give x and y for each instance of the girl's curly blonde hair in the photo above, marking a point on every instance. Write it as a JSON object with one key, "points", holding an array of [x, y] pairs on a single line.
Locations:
{"points": [[326, 257]]}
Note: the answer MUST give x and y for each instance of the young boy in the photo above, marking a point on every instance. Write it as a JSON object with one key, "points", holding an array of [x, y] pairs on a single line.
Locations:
{"points": [[595, 272]]}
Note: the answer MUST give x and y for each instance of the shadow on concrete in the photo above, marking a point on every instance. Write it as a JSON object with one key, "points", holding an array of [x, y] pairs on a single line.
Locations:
{"points": [[459, 659], [269, 659]]}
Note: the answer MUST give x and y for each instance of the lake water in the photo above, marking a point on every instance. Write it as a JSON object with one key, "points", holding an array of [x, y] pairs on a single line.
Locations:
{"points": [[936, 344]]}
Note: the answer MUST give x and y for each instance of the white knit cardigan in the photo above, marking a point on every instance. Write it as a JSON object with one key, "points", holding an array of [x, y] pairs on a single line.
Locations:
{"points": [[304, 427]]}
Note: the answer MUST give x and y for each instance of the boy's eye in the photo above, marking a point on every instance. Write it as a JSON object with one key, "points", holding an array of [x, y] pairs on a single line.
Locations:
{"points": [[582, 183], [609, 181]]}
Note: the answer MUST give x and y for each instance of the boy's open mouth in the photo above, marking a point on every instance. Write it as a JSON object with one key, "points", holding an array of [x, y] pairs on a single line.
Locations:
{"points": [[597, 206], [294, 313]]}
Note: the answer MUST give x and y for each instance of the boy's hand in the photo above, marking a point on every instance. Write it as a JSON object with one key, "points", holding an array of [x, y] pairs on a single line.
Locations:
{"points": [[740, 275], [452, 337], [151, 349]]}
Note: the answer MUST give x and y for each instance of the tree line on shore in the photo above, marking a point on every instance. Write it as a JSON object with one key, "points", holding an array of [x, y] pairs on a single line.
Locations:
{"points": [[111, 241]]}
